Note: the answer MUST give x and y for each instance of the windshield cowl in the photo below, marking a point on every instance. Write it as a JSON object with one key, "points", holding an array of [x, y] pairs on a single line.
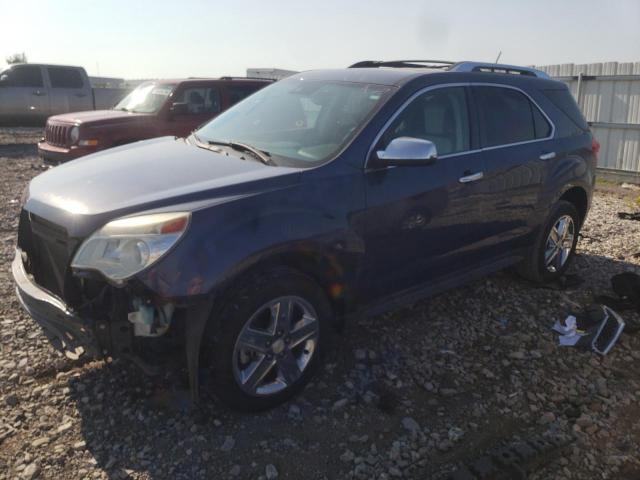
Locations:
{"points": [[218, 145]]}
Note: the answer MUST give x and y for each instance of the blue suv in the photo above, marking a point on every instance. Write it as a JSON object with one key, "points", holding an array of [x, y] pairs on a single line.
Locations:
{"points": [[326, 195]]}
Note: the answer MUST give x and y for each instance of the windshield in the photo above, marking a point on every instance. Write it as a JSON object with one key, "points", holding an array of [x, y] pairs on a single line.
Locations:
{"points": [[146, 98], [298, 122]]}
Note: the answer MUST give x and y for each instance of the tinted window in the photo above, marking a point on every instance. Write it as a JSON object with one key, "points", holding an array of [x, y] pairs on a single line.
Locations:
{"points": [[239, 92], [440, 116], [65, 77], [541, 125], [26, 76], [507, 116], [564, 101], [200, 99]]}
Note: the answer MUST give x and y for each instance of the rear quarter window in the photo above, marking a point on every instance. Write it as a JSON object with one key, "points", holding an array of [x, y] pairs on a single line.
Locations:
{"points": [[240, 92], [570, 121]]}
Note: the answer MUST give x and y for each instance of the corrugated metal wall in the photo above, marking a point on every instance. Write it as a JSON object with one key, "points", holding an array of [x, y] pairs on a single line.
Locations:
{"points": [[609, 96]]}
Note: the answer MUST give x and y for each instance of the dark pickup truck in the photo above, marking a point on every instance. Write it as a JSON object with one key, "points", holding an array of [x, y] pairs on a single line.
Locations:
{"points": [[153, 109]]}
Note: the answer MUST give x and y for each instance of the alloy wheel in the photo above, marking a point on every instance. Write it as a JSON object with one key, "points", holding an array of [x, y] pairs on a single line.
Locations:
{"points": [[275, 346], [559, 244]]}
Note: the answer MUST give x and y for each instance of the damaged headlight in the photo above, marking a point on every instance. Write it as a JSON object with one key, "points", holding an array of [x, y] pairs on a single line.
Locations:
{"points": [[126, 246]]}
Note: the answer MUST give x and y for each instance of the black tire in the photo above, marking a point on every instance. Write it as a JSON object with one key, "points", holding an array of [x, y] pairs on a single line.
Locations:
{"points": [[533, 266], [227, 322]]}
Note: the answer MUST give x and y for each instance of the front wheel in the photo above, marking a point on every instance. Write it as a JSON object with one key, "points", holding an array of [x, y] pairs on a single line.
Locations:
{"points": [[553, 249], [269, 340]]}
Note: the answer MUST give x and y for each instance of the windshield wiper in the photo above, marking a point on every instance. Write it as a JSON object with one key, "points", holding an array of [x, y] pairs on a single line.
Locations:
{"points": [[264, 157]]}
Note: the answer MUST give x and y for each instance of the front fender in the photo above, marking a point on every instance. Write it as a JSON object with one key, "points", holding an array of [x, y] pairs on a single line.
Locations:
{"points": [[225, 240]]}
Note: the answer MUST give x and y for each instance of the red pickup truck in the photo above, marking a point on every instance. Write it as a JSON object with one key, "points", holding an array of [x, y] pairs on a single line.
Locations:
{"points": [[153, 109]]}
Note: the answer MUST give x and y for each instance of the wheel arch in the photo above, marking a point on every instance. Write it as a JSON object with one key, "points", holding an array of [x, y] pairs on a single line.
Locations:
{"points": [[578, 197], [326, 268]]}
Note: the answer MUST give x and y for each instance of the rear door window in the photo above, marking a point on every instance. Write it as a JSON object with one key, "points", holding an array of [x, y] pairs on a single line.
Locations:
{"points": [[239, 92], [507, 116], [439, 115], [200, 99], [26, 76], [61, 77]]}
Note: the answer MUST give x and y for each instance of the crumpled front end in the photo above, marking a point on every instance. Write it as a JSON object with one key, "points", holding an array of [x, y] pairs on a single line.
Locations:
{"points": [[85, 316]]}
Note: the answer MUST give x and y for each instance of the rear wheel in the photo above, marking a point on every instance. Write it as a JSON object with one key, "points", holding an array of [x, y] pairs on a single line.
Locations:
{"points": [[269, 340], [550, 255]]}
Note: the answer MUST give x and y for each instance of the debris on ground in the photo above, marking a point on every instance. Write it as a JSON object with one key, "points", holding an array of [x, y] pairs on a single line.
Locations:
{"points": [[597, 328], [392, 400], [629, 216]]}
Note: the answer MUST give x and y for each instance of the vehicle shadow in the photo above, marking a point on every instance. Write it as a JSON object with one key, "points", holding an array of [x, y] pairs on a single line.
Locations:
{"points": [[131, 423], [18, 150]]}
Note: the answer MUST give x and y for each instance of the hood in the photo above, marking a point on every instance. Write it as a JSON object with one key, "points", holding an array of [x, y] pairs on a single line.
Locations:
{"points": [[97, 116], [157, 173]]}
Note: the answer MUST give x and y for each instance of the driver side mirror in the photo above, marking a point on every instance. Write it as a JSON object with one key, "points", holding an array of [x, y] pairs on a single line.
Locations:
{"points": [[408, 151], [179, 108], [4, 80]]}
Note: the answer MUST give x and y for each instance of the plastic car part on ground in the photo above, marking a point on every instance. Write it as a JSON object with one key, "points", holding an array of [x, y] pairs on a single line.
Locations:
{"points": [[597, 328], [626, 285], [629, 216]]}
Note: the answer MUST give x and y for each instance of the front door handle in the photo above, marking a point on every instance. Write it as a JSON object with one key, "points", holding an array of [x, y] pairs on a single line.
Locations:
{"points": [[80, 95], [39, 93], [548, 156], [471, 178]]}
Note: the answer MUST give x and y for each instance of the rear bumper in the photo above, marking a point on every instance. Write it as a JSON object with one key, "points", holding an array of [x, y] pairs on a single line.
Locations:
{"points": [[68, 333], [54, 155]]}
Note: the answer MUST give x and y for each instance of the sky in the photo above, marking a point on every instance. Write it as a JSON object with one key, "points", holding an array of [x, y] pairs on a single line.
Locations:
{"points": [[162, 39]]}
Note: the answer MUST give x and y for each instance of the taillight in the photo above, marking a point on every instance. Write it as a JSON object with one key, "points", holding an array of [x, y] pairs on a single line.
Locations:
{"points": [[595, 146]]}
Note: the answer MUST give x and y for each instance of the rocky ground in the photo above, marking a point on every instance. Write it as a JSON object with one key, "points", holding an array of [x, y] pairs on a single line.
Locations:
{"points": [[414, 394]]}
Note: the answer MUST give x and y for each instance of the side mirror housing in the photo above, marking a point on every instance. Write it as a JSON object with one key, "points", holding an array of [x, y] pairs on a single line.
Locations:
{"points": [[408, 151], [179, 108]]}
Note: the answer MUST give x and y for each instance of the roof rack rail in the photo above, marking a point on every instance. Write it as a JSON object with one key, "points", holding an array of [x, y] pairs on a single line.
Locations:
{"points": [[444, 64], [497, 68], [245, 78]]}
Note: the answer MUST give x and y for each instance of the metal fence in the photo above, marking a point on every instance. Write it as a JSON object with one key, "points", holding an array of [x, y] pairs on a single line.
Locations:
{"points": [[609, 96]]}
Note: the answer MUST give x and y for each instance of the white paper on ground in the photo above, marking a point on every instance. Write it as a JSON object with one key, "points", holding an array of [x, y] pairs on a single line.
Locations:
{"points": [[569, 326], [568, 331]]}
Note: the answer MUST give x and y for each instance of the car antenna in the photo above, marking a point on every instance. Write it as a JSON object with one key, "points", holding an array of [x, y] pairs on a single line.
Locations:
{"points": [[498, 57]]}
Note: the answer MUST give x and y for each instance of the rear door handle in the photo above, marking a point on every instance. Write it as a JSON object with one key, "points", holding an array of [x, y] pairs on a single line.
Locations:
{"points": [[81, 94], [548, 156], [39, 93], [471, 178]]}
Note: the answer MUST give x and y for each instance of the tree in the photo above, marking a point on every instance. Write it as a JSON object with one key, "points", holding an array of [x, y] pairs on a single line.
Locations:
{"points": [[16, 58]]}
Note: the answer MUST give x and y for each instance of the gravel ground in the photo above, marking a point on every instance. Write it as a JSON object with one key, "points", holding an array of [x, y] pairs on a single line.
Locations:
{"points": [[413, 394], [20, 135]]}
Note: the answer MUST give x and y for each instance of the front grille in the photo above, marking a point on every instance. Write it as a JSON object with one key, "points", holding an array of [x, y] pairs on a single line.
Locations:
{"points": [[57, 135], [48, 250]]}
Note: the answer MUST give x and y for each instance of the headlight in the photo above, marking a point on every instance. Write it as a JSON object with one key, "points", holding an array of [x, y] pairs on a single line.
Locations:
{"points": [[74, 135], [126, 246]]}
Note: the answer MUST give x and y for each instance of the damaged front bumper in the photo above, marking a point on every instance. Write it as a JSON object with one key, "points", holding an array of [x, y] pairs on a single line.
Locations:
{"points": [[103, 334], [68, 333]]}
